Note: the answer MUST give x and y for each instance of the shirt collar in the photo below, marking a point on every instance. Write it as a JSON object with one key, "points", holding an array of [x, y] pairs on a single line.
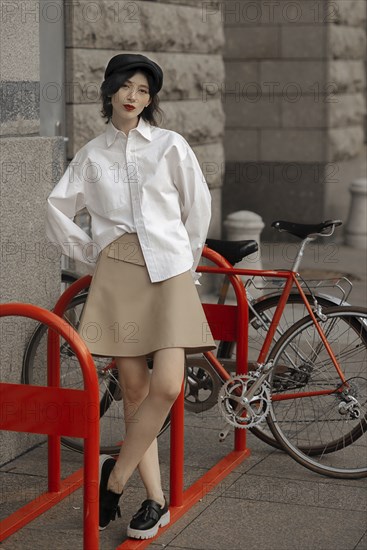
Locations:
{"points": [[143, 128]]}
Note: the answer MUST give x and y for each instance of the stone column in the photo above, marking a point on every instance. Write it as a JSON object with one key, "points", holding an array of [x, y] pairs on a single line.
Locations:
{"points": [[356, 229], [29, 167]]}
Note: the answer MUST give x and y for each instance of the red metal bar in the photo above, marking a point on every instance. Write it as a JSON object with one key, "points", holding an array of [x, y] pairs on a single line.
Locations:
{"points": [[237, 332], [321, 333], [217, 365], [242, 319], [300, 395], [234, 271], [54, 440], [27, 409], [91, 411], [276, 318], [91, 488], [53, 378], [70, 292]]}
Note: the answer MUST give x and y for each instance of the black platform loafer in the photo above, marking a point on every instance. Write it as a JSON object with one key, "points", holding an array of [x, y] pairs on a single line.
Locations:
{"points": [[108, 500], [148, 520]]}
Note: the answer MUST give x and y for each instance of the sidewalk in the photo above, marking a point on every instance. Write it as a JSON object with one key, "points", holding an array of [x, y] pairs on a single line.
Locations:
{"points": [[269, 502]]}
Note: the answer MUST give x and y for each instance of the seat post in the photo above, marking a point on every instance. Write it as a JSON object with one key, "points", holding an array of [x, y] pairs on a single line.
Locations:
{"points": [[300, 253]]}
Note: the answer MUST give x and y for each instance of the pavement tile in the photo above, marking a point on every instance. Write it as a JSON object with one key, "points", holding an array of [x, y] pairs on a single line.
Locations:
{"points": [[279, 465], [17, 490], [239, 524], [34, 462], [298, 492], [199, 507], [362, 545], [36, 539]]}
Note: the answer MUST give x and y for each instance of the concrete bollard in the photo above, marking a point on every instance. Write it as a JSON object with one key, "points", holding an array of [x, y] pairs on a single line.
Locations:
{"points": [[356, 227], [245, 225]]}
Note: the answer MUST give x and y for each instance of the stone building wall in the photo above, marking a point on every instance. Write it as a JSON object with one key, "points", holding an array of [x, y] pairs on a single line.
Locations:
{"points": [[294, 99], [347, 129], [29, 167], [174, 35]]}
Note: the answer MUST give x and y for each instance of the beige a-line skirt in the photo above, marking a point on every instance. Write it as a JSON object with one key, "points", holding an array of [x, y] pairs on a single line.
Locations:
{"points": [[126, 315]]}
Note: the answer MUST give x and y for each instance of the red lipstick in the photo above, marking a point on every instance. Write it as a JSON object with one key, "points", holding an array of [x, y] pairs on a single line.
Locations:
{"points": [[129, 107]]}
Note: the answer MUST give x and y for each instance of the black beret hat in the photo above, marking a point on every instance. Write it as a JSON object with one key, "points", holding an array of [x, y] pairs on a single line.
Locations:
{"points": [[127, 61]]}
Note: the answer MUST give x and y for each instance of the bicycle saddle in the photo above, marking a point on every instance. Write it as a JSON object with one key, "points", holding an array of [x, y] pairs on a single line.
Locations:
{"points": [[233, 251], [305, 230]]}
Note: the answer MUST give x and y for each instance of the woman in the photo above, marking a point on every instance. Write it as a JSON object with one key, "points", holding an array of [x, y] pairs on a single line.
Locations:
{"points": [[150, 211]]}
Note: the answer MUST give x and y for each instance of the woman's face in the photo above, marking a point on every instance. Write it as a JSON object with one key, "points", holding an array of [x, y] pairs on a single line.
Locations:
{"points": [[131, 99]]}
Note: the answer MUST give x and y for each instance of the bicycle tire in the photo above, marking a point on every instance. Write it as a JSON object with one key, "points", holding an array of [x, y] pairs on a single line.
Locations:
{"points": [[68, 277], [323, 422], [202, 384], [34, 371], [295, 310]]}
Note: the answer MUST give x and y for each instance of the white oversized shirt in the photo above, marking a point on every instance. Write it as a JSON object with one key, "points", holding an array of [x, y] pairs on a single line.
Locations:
{"points": [[148, 182]]}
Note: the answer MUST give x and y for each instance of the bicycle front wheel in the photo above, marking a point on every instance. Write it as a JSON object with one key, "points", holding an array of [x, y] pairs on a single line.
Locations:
{"points": [[319, 419]]}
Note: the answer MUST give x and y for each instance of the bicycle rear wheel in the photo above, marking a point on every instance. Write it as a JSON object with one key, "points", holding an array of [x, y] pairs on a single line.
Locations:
{"points": [[34, 371], [320, 421]]}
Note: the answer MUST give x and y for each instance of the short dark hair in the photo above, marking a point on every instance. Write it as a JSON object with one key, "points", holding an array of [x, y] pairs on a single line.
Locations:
{"points": [[114, 82]]}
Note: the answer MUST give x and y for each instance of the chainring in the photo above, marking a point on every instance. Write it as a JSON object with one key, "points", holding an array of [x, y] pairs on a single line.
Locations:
{"points": [[236, 409]]}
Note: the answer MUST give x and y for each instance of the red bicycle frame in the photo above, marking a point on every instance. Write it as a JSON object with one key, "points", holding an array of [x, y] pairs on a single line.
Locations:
{"points": [[225, 268]]}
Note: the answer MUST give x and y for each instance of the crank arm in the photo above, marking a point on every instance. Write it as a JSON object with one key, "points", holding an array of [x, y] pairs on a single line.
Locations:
{"points": [[259, 382]]}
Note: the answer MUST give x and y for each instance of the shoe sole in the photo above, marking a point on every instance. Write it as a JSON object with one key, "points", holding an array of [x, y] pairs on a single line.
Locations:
{"points": [[102, 460], [149, 533]]}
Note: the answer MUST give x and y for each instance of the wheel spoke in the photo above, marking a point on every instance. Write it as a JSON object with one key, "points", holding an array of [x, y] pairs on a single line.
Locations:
{"points": [[319, 430]]}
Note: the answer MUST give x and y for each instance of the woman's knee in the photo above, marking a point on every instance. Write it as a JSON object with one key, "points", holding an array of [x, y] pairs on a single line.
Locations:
{"points": [[134, 393], [134, 378], [167, 391], [168, 373]]}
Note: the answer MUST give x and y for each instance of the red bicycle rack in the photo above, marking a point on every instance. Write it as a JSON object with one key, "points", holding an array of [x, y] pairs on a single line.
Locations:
{"points": [[17, 399], [229, 323]]}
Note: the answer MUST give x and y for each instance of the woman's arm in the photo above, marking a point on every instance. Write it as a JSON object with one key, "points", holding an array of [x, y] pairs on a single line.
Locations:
{"points": [[66, 199], [196, 203]]}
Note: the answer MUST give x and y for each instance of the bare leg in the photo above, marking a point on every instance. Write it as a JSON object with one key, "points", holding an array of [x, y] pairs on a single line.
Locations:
{"points": [[150, 474], [134, 378], [144, 425]]}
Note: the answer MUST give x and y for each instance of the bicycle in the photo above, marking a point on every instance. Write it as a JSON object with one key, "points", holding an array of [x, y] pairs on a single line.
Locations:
{"points": [[203, 383], [111, 388], [311, 387]]}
